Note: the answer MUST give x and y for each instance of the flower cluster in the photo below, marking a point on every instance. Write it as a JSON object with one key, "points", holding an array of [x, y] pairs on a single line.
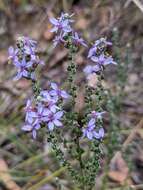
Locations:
{"points": [[24, 58], [98, 55], [65, 33], [91, 131], [45, 111]]}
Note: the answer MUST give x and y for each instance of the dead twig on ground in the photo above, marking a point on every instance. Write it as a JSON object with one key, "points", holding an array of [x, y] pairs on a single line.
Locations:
{"points": [[6, 178], [136, 2]]}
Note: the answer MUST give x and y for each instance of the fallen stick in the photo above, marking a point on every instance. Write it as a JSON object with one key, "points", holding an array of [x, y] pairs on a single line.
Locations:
{"points": [[6, 178]]}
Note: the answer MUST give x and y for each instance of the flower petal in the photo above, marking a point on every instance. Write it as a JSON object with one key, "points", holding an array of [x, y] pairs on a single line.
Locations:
{"points": [[57, 123], [90, 135], [51, 126], [34, 134], [54, 86], [59, 114], [27, 128]]}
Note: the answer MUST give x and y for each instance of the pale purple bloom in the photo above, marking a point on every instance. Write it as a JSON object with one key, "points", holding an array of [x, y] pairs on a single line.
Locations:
{"points": [[24, 58], [103, 60], [22, 68], [29, 45], [40, 113], [90, 69], [102, 41], [32, 127], [53, 119], [58, 39], [77, 40], [12, 53], [92, 51], [56, 92], [60, 25], [95, 114], [49, 102], [28, 109], [100, 134], [36, 61], [90, 132], [66, 16]]}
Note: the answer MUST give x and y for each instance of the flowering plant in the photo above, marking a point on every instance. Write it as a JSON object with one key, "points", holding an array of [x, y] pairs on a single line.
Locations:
{"points": [[47, 108]]}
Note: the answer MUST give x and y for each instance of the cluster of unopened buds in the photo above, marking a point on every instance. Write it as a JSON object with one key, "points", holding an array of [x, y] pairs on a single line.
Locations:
{"points": [[45, 109]]}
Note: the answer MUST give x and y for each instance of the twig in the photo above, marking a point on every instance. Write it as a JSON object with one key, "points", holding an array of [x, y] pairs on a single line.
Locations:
{"points": [[138, 4], [47, 179], [6, 177], [132, 134], [129, 138], [65, 5]]}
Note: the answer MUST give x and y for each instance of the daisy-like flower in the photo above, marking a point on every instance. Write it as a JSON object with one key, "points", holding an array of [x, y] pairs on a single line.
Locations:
{"points": [[56, 92]]}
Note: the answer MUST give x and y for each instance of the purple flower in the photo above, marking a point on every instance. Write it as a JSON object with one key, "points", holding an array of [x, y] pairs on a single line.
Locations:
{"points": [[29, 45], [60, 25], [22, 67], [92, 51], [36, 61], [102, 60], [102, 41], [49, 102], [58, 39], [24, 58], [56, 92], [66, 16], [100, 134], [40, 114], [90, 69], [28, 109], [97, 115], [32, 127], [90, 132], [78, 41], [12, 53], [53, 119]]}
